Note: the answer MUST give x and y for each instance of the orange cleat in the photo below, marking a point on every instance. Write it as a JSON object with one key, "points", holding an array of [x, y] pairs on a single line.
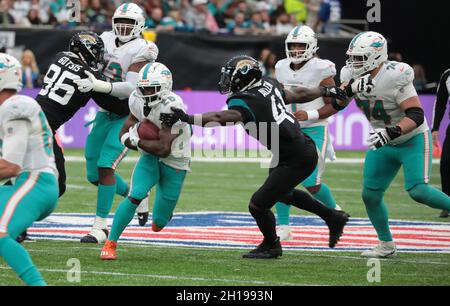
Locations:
{"points": [[155, 228], [109, 250]]}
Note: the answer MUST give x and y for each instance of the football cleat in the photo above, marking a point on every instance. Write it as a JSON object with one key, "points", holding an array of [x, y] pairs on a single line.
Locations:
{"points": [[24, 237], [285, 233], [155, 228], [142, 218], [336, 224], [384, 249], [444, 214], [109, 250], [95, 236], [338, 208], [265, 251]]}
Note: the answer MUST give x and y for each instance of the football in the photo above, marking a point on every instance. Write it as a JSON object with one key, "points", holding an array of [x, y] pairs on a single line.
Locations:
{"points": [[148, 131]]}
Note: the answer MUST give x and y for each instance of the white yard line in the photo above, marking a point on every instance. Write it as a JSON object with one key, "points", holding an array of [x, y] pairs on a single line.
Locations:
{"points": [[132, 159], [173, 277]]}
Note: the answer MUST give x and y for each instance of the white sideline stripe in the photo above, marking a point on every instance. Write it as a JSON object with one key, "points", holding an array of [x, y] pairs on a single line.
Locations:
{"points": [[201, 279], [79, 159]]}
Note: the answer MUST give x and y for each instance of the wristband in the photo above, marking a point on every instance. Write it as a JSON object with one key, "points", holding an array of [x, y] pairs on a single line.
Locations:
{"points": [[312, 114], [124, 138]]}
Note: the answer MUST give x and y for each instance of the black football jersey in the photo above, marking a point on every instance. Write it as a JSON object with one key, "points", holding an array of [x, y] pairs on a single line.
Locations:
{"points": [[60, 98], [264, 106]]}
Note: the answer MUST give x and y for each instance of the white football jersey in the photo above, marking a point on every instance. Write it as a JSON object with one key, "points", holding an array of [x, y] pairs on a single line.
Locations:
{"points": [[309, 76], [393, 85], [39, 153], [180, 156], [119, 59]]}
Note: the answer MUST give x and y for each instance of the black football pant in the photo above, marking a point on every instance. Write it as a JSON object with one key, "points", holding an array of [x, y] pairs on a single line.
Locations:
{"points": [[445, 163], [60, 165], [280, 186]]}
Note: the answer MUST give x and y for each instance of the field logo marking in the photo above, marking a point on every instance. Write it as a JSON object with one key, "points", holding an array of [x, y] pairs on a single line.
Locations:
{"points": [[239, 231]]}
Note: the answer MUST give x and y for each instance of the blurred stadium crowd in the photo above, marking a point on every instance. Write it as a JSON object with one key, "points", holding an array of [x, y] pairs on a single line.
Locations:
{"points": [[214, 16]]}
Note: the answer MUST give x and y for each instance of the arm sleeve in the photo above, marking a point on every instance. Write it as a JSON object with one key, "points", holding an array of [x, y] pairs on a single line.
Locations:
{"points": [[243, 108], [111, 103], [123, 90], [441, 100], [15, 141]]}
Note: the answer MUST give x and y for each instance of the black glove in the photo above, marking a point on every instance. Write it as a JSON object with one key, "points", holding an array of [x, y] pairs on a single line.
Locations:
{"points": [[348, 89], [333, 92], [171, 118]]}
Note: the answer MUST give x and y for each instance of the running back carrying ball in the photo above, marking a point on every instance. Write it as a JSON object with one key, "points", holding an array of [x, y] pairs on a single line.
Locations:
{"points": [[148, 131]]}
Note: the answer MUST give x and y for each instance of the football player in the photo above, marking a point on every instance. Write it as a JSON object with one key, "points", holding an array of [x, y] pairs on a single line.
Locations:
{"points": [[26, 157], [301, 68], [259, 103], [384, 91], [60, 98], [125, 54], [163, 163]]}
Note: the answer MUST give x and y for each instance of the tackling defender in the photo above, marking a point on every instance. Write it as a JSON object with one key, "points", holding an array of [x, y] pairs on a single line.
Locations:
{"points": [[301, 68], [125, 54], [259, 103], [26, 147], [164, 162], [384, 91]]}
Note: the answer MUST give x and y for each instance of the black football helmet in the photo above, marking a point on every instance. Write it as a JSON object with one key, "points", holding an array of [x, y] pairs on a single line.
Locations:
{"points": [[89, 47], [239, 73]]}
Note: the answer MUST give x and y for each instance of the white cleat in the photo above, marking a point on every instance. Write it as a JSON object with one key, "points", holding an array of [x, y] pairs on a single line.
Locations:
{"points": [[384, 249], [285, 233], [338, 208], [95, 236]]}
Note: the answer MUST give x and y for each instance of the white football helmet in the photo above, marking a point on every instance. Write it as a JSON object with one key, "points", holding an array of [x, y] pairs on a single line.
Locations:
{"points": [[301, 35], [366, 51], [154, 84], [10, 73], [129, 11]]}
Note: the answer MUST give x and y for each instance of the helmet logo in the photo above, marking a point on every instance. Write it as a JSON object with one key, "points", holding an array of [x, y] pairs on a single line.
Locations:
{"points": [[378, 43], [244, 66]]}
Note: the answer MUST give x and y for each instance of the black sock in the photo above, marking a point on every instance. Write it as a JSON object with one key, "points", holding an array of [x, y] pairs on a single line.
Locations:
{"points": [[305, 201], [266, 223]]}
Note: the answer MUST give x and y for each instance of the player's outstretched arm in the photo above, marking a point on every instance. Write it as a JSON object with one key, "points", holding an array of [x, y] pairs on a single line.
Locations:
{"points": [[161, 147], [303, 95], [222, 118]]}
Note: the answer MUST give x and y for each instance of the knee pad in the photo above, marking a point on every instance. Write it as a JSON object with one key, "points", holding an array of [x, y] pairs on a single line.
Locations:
{"points": [[419, 193], [372, 196]]}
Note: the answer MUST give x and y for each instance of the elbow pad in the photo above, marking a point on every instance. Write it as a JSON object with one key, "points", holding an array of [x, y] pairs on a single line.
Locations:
{"points": [[415, 114]]}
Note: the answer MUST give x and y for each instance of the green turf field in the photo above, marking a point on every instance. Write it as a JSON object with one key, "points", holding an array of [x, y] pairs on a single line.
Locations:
{"points": [[228, 187]]}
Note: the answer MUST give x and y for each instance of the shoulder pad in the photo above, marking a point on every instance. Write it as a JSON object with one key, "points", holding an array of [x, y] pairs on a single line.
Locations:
{"points": [[148, 52], [345, 75], [403, 74], [20, 107], [173, 100], [326, 68]]}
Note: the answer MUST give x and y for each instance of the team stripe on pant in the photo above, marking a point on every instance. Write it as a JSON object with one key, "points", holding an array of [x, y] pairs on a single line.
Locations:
{"points": [[15, 200], [426, 166], [117, 161]]}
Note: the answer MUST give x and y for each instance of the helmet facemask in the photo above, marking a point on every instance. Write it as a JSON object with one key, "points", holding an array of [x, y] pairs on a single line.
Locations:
{"points": [[299, 55], [152, 94], [225, 81], [125, 29]]}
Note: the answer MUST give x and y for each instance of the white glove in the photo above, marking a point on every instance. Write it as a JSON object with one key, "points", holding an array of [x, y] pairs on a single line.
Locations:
{"points": [[364, 84], [133, 135], [378, 138], [92, 84]]}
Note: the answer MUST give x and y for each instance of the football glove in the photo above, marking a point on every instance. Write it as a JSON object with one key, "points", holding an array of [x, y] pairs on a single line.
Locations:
{"points": [[333, 92], [133, 135], [170, 119], [91, 83], [364, 84], [381, 137]]}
